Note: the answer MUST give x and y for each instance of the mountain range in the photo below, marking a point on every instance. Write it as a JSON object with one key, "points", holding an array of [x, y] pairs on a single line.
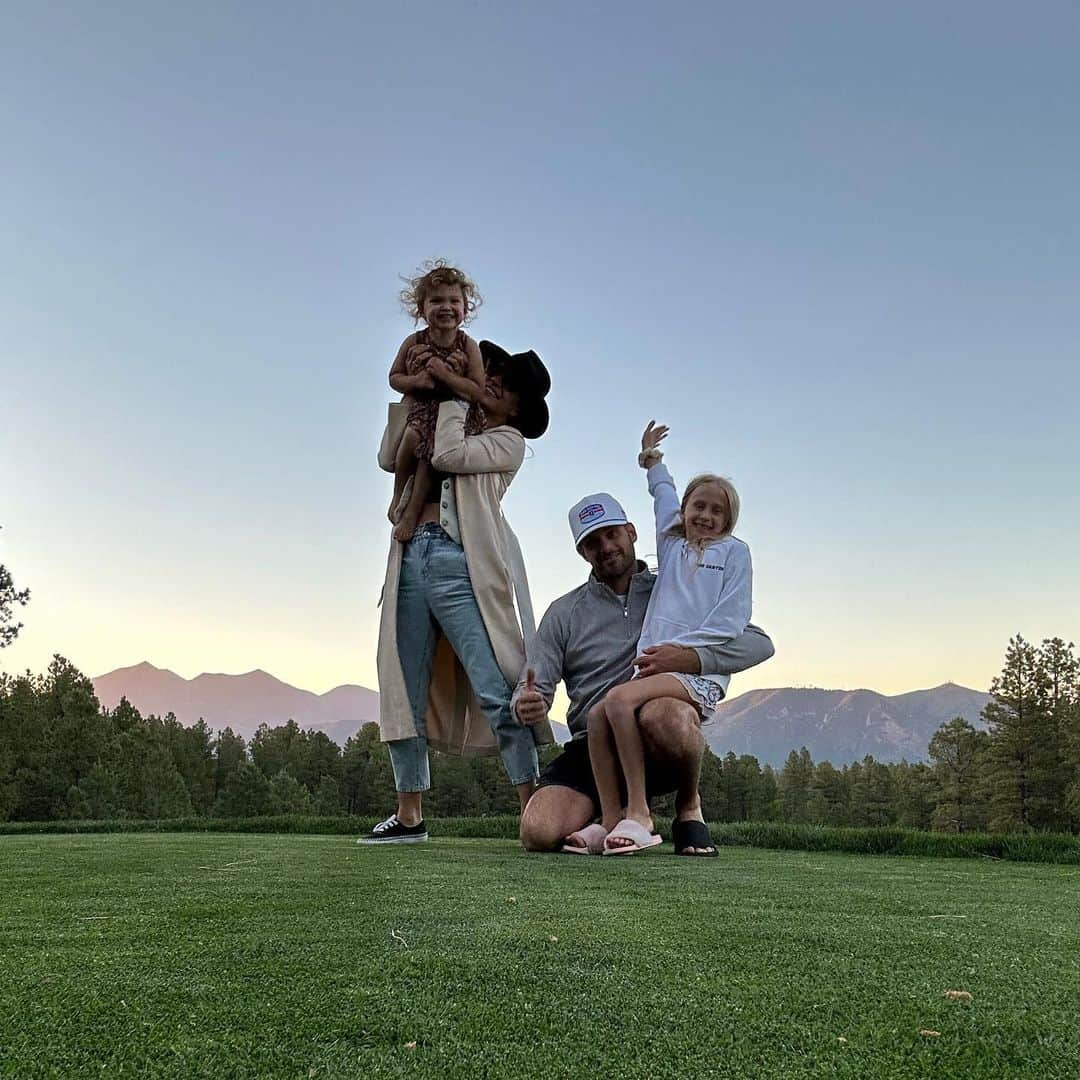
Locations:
{"points": [[241, 702], [834, 725], [840, 725]]}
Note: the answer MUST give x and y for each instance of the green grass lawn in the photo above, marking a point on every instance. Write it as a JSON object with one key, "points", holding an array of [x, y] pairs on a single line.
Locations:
{"points": [[307, 956]]}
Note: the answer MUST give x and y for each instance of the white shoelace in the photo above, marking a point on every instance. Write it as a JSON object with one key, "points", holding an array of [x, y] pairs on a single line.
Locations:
{"points": [[385, 826]]}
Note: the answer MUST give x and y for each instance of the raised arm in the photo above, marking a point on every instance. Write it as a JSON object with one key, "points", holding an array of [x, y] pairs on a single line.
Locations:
{"points": [[665, 505], [499, 450], [661, 486]]}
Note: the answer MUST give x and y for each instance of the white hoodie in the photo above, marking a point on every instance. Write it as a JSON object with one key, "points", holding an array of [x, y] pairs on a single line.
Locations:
{"points": [[699, 599]]}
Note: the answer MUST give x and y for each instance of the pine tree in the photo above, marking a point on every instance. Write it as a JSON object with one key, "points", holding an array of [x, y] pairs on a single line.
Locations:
{"points": [[871, 797], [794, 784], [711, 788], [150, 783], [277, 748], [246, 793], [230, 751], [958, 753], [915, 794], [367, 776], [61, 737], [192, 751], [455, 789], [319, 756], [9, 597], [1060, 670], [735, 787], [328, 798], [97, 796], [9, 792], [827, 803], [1025, 748], [288, 795], [769, 795]]}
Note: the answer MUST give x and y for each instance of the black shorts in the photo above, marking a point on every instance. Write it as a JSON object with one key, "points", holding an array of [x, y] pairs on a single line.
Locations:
{"points": [[573, 769]]}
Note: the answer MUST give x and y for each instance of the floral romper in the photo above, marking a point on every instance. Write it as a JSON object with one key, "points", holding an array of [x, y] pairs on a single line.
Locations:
{"points": [[424, 411]]}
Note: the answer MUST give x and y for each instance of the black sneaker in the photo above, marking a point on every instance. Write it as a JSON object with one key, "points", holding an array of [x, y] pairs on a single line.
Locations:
{"points": [[392, 831]]}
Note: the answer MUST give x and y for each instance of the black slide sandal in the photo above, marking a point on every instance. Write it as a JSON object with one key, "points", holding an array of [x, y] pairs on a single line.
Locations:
{"points": [[693, 834]]}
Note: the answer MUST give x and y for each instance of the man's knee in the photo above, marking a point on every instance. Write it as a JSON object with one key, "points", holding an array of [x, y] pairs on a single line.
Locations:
{"points": [[536, 831], [551, 815], [670, 727], [537, 836]]}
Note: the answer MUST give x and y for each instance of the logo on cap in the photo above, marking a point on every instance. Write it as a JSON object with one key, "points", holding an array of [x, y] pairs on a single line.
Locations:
{"points": [[590, 513]]}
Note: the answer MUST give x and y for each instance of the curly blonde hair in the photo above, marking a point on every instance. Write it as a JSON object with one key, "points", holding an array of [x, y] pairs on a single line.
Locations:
{"points": [[433, 273], [728, 489]]}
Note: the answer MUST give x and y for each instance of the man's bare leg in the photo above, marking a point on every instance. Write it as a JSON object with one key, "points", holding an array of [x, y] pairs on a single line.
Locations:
{"points": [[672, 737], [552, 814]]}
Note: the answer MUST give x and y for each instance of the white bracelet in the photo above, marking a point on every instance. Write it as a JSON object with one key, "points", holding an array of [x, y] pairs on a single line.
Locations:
{"points": [[648, 458]]}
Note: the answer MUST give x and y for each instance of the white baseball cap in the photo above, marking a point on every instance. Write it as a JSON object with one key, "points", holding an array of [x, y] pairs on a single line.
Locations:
{"points": [[595, 512]]}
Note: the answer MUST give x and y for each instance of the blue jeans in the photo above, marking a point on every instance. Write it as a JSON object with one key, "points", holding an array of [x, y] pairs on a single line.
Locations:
{"points": [[435, 593]]}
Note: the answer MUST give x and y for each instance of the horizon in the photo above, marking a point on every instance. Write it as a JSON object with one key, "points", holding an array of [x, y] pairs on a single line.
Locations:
{"points": [[836, 250], [560, 695], [768, 723]]}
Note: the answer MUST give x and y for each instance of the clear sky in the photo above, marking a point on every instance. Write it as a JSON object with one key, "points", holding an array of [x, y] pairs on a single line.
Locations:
{"points": [[835, 246]]}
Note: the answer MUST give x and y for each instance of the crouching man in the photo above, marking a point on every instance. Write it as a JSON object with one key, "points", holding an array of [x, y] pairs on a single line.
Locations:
{"points": [[588, 640]]}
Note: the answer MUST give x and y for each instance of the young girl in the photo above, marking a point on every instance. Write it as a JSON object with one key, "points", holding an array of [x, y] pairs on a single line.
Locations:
{"points": [[445, 299], [701, 597]]}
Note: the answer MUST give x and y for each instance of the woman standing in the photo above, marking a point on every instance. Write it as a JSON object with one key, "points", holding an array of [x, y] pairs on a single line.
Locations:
{"points": [[456, 610]]}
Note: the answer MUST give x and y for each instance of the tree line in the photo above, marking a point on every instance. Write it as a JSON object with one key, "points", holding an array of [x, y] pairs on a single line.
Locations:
{"points": [[63, 756]]}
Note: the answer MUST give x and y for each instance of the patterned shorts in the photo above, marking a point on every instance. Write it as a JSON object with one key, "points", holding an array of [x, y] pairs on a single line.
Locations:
{"points": [[704, 693]]}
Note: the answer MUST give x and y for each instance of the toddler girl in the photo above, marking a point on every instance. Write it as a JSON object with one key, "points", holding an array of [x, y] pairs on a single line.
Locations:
{"points": [[445, 299], [701, 597]]}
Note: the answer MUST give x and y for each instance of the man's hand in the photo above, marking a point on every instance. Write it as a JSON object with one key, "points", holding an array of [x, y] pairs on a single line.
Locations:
{"points": [[531, 707], [664, 659]]}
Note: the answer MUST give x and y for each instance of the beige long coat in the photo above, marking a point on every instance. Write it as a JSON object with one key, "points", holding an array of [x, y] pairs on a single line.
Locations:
{"points": [[481, 467]]}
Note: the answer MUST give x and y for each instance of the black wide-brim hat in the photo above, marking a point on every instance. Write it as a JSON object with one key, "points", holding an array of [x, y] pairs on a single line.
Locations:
{"points": [[525, 374]]}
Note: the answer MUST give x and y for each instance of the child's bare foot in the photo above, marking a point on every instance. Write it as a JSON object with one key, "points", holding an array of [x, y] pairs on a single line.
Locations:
{"points": [[616, 841]]}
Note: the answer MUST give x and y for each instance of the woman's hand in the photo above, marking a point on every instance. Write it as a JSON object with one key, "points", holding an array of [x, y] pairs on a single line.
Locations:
{"points": [[458, 385], [653, 436]]}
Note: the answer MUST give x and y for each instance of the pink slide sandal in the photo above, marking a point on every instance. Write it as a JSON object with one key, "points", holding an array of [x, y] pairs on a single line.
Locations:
{"points": [[593, 836], [634, 831]]}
